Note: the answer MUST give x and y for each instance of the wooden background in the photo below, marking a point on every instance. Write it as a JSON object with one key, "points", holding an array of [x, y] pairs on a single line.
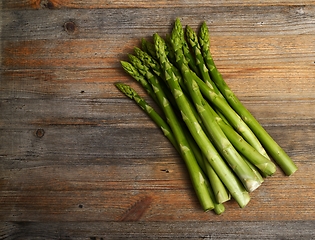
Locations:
{"points": [[79, 160]]}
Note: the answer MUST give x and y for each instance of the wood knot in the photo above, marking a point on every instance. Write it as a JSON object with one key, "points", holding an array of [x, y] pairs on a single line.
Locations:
{"points": [[70, 27], [40, 133], [47, 4]]}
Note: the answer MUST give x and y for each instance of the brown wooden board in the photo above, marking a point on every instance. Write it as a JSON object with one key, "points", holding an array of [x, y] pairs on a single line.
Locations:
{"points": [[78, 160]]}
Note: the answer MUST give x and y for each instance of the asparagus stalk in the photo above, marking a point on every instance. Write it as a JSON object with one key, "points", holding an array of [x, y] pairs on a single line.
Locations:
{"points": [[255, 170], [193, 41], [218, 207], [219, 139], [271, 146], [190, 58], [131, 70], [153, 64], [142, 68], [156, 85], [147, 74], [159, 121], [224, 172], [211, 92], [198, 178], [148, 47], [221, 194], [252, 155], [170, 53], [150, 62], [230, 115]]}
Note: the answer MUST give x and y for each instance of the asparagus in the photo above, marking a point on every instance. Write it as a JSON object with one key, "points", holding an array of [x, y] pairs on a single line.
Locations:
{"points": [[221, 194], [271, 146], [198, 178], [224, 172], [211, 92], [159, 121], [230, 115], [153, 64], [150, 62], [193, 41], [215, 182], [130, 69], [255, 170], [218, 207], [170, 53], [215, 123], [221, 142], [252, 155], [190, 58], [148, 47], [146, 72], [147, 75], [132, 94]]}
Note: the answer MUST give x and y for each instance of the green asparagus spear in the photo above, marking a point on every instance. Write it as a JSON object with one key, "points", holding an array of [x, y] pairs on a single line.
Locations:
{"points": [[148, 47], [189, 57], [147, 72], [255, 170], [211, 92], [230, 115], [150, 62], [220, 192], [193, 41], [271, 146], [218, 207], [263, 164], [224, 172], [219, 139], [198, 178], [159, 121], [215, 182], [131, 70]]}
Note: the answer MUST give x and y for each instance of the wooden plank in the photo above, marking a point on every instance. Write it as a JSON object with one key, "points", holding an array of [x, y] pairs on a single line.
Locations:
{"points": [[55, 4], [174, 230], [249, 84], [269, 203], [125, 24], [279, 42], [84, 54]]}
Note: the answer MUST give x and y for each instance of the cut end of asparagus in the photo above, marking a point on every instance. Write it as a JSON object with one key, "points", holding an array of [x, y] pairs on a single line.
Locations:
{"points": [[268, 168], [222, 197], [242, 199], [290, 171], [251, 185], [219, 209]]}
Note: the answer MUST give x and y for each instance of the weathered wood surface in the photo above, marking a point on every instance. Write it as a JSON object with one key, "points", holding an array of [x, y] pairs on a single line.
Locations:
{"points": [[80, 161]]}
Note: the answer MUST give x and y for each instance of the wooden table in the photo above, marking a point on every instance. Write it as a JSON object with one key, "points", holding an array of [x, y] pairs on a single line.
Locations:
{"points": [[81, 161]]}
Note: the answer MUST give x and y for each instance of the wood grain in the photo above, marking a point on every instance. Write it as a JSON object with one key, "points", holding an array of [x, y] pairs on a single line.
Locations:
{"points": [[57, 4], [78, 160], [172, 230]]}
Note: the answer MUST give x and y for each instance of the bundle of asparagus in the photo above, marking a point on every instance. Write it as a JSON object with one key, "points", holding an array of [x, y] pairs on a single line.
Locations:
{"points": [[225, 149]]}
